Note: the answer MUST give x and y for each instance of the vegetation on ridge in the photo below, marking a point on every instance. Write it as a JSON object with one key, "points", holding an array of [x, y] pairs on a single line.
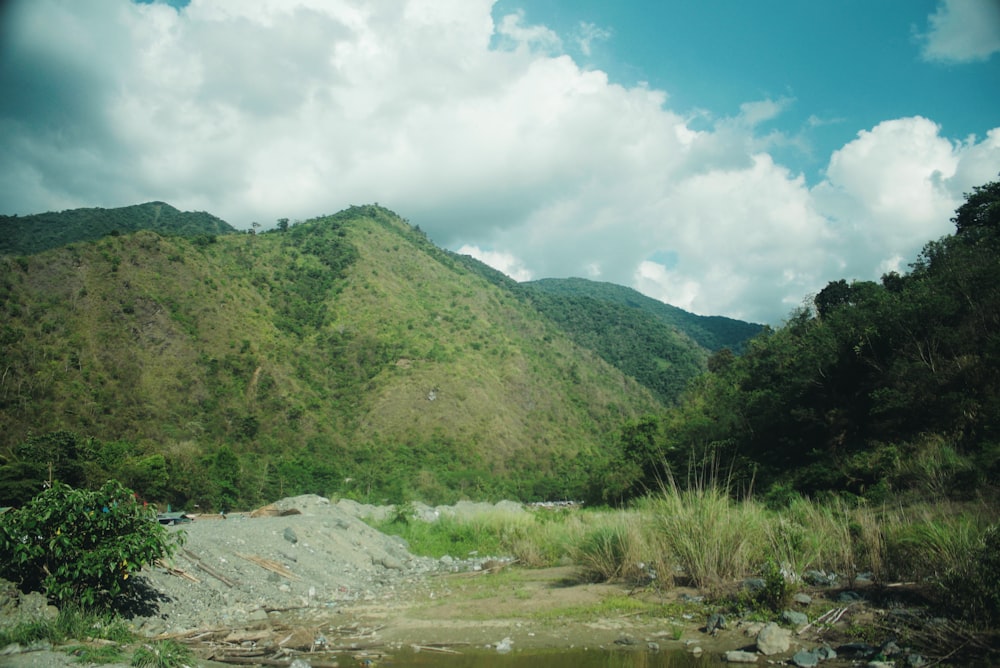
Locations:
{"points": [[874, 389], [344, 355]]}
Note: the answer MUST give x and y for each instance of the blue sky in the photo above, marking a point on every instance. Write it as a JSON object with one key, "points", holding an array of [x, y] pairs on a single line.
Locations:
{"points": [[728, 157], [838, 66]]}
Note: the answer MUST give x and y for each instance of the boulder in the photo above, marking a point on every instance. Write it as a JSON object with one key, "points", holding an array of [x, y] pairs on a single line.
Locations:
{"points": [[794, 618], [739, 656], [773, 639], [805, 658]]}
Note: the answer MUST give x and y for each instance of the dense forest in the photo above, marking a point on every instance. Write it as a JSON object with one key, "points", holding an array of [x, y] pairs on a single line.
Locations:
{"points": [[875, 388], [20, 235]]}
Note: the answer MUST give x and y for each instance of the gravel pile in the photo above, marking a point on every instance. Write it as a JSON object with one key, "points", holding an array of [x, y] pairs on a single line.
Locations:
{"points": [[300, 553]]}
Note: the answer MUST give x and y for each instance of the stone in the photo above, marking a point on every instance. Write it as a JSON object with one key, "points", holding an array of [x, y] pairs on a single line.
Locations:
{"points": [[825, 653], [848, 597], [739, 656], [258, 615], [391, 563], [773, 639], [915, 660], [716, 622], [805, 658], [754, 585], [653, 646], [794, 618], [290, 536], [820, 578], [802, 598]]}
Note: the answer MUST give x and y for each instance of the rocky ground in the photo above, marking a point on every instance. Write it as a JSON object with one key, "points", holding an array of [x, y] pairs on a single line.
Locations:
{"points": [[308, 580]]}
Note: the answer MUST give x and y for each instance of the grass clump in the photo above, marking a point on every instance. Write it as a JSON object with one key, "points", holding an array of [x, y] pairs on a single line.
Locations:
{"points": [[163, 654], [70, 624], [711, 537], [613, 551]]}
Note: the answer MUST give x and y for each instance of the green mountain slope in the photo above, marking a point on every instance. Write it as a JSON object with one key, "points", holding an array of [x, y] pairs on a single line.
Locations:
{"points": [[24, 235], [345, 355], [710, 332]]}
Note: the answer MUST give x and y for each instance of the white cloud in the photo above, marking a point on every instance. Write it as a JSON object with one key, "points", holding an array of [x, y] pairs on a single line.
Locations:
{"points": [[588, 33], [500, 261], [896, 187], [487, 135], [962, 31], [512, 29]]}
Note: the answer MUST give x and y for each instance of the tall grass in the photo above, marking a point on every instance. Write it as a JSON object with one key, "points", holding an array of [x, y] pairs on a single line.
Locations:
{"points": [[707, 537], [711, 537]]}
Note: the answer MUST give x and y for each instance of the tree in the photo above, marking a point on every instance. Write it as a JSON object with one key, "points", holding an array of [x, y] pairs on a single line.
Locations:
{"points": [[283, 224], [81, 546], [981, 211]]}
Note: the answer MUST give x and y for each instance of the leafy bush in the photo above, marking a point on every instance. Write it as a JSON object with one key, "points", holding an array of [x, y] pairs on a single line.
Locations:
{"points": [[81, 546]]}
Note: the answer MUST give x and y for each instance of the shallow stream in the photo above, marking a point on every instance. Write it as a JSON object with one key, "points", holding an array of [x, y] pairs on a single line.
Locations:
{"points": [[573, 658]]}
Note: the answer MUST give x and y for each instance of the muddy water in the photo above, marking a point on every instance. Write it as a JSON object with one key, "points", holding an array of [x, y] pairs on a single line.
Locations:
{"points": [[550, 659]]}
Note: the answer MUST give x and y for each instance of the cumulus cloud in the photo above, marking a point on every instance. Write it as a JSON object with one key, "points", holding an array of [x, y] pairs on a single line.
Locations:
{"points": [[961, 31], [480, 129], [504, 262]]}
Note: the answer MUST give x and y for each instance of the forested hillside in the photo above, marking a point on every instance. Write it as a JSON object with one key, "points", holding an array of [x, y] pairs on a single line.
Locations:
{"points": [[23, 235], [877, 388], [344, 355], [712, 333]]}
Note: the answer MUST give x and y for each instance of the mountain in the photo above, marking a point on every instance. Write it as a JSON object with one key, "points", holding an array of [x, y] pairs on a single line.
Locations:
{"points": [[344, 355], [711, 332], [23, 235]]}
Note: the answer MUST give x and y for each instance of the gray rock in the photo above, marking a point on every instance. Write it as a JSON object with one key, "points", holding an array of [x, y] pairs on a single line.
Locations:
{"points": [[825, 653], [754, 585], [805, 658], [290, 535], [889, 648], [802, 598], [848, 597], [820, 578], [391, 563], [258, 615], [915, 660], [856, 650], [773, 639], [653, 646], [715, 623], [739, 656], [794, 618]]}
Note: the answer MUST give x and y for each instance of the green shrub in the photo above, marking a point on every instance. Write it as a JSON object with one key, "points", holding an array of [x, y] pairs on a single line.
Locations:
{"points": [[81, 546]]}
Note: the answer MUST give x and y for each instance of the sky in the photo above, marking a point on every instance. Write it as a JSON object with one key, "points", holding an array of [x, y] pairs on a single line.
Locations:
{"points": [[724, 156]]}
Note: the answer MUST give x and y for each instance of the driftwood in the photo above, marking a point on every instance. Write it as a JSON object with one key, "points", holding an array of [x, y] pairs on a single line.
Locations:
{"points": [[259, 661], [173, 570], [434, 648], [201, 566], [270, 565]]}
